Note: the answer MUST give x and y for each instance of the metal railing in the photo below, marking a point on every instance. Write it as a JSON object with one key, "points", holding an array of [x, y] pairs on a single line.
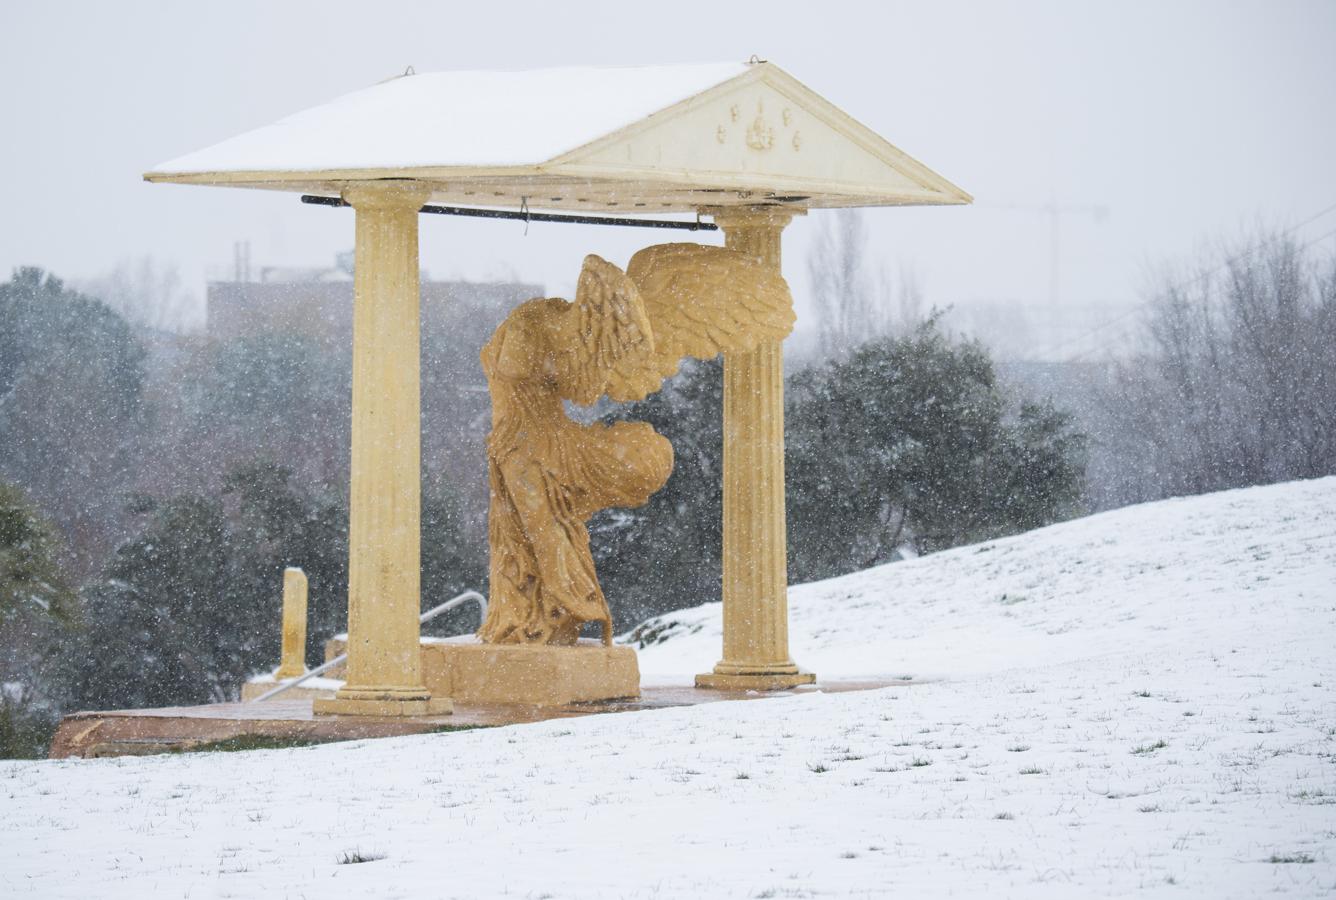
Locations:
{"points": [[425, 617]]}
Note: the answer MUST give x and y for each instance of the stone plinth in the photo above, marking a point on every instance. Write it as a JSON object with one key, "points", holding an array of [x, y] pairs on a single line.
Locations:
{"points": [[754, 681], [531, 674], [140, 731], [471, 672]]}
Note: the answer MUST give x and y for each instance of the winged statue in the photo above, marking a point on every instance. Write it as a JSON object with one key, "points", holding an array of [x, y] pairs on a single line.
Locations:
{"points": [[622, 336]]}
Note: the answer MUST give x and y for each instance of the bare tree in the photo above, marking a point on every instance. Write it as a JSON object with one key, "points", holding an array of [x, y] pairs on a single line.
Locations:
{"points": [[841, 284], [910, 311], [147, 293], [1236, 385], [855, 296]]}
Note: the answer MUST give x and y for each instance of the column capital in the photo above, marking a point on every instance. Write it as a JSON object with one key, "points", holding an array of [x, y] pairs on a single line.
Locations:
{"points": [[386, 195], [730, 217]]}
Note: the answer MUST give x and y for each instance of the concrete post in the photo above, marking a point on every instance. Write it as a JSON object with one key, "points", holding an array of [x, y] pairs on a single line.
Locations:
{"points": [[384, 675], [292, 664], [755, 587]]}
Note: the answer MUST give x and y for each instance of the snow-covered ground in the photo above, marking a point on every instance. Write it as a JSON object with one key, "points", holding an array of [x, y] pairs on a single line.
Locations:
{"points": [[1137, 703]]}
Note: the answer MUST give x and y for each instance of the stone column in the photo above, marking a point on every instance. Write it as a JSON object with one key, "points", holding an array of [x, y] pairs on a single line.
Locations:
{"points": [[292, 664], [755, 587], [384, 674]]}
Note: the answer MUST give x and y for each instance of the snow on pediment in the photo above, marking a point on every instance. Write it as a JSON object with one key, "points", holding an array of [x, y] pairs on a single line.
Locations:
{"points": [[641, 139]]}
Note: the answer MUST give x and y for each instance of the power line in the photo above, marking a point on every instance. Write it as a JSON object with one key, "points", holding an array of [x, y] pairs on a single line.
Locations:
{"points": [[1183, 285], [1133, 310], [1055, 211]]}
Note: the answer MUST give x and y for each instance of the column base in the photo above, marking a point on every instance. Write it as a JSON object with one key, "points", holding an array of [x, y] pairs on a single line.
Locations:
{"points": [[781, 678], [371, 702]]}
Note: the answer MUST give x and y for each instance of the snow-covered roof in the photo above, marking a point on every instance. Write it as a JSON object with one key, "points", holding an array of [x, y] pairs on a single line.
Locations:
{"points": [[636, 139]]}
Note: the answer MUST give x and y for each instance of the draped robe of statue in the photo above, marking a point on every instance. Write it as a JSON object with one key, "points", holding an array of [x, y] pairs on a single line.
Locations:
{"points": [[624, 333]]}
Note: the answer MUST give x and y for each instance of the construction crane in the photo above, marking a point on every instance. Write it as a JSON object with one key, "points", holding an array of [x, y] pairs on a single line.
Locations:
{"points": [[1055, 212]]}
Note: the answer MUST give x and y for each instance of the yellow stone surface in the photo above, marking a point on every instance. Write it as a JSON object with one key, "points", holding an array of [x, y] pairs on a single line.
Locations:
{"points": [[293, 661], [532, 674], [755, 586], [474, 673], [384, 673], [763, 681], [625, 332]]}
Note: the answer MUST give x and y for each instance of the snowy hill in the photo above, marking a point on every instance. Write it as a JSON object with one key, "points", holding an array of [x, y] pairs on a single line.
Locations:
{"points": [[1137, 703], [1148, 577]]}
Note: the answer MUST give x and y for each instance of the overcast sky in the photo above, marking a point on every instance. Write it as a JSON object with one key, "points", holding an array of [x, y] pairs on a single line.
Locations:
{"points": [[1188, 121]]}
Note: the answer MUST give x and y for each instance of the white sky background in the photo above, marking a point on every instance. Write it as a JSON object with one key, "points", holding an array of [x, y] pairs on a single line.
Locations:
{"points": [[1188, 120]]}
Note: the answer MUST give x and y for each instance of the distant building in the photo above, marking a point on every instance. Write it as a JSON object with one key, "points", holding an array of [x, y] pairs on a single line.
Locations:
{"points": [[318, 304]]}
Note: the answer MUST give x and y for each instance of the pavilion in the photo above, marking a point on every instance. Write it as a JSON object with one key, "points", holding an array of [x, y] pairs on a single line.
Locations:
{"points": [[745, 145]]}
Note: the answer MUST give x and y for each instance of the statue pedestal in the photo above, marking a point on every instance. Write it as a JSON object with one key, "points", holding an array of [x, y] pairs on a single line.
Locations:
{"points": [[534, 675], [470, 672]]}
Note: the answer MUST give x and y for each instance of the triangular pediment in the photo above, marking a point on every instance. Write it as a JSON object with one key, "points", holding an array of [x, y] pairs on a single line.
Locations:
{"points": [[763, 131]]}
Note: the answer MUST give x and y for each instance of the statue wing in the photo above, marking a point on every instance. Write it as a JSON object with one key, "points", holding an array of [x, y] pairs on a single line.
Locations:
{"points": [[700, 301], [605, 331]]}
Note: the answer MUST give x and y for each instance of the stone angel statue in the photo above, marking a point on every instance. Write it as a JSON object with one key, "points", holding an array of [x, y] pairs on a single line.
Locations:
{"points": [[624, 334]]}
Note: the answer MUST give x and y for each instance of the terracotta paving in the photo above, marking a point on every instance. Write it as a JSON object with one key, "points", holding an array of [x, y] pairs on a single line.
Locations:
{"points": [[132, 732]]}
